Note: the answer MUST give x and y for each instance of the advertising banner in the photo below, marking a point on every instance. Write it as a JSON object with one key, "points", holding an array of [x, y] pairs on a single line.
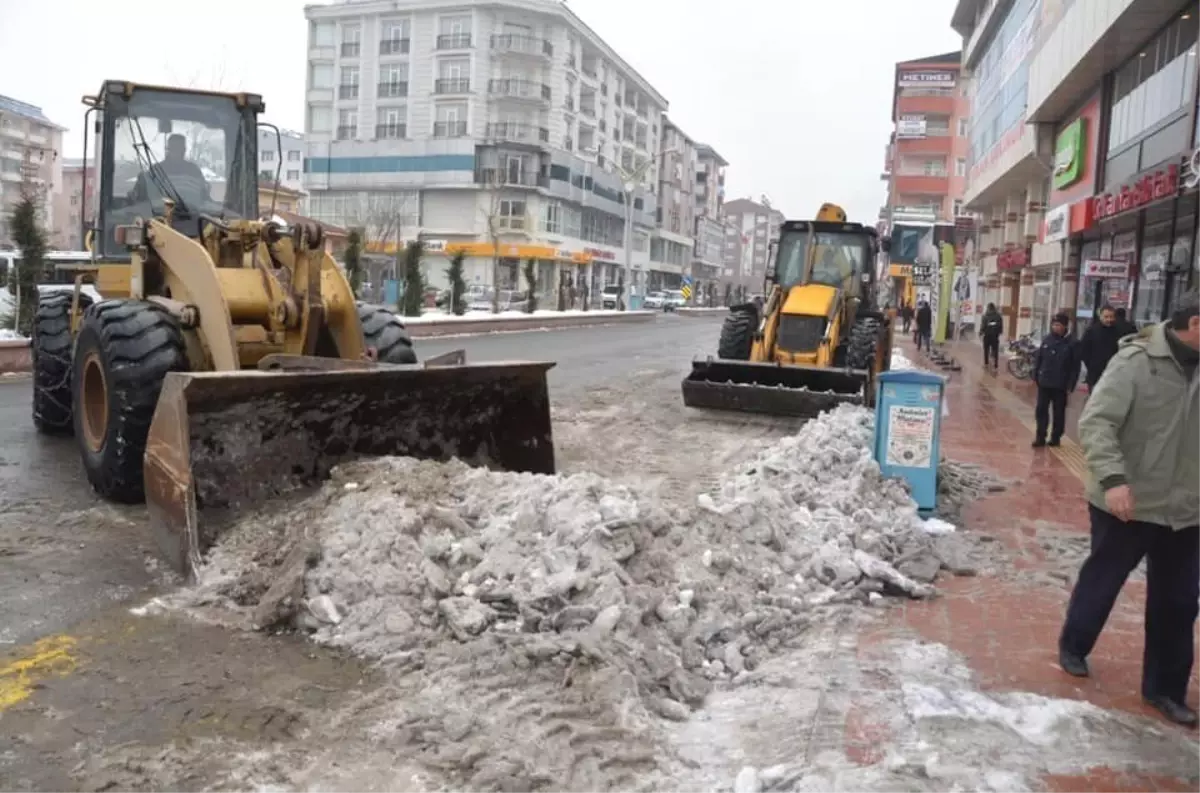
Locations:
{"points": [[945, 292], [926, 80]]}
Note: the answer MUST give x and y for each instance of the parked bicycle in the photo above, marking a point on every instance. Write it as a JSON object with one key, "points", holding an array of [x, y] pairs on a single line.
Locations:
{"points": [[1020, 357]]}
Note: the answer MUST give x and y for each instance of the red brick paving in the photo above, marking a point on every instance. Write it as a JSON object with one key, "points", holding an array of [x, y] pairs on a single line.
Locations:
{"points": [[1007, 630]]}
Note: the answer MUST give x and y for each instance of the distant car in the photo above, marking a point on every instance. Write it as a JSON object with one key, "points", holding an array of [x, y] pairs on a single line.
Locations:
{"points": [[510, 300], [673, 299], [655, 300], [611, 298]]}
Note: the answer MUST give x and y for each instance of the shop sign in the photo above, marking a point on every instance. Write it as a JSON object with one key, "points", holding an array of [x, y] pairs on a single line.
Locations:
{"points": [[927, 79], [909, 127], [1058, 224], [1068, 154], [596, 253], [1191, 177], [1013, 260], [1105, 268], [1163, 183]]}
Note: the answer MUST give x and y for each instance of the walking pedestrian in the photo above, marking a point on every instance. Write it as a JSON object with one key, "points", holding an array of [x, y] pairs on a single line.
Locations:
{"points": [[1141, 436], [906, 313], [924, 325], [1055, 372], [1127, 327], [991, 328], [1099, 344]]}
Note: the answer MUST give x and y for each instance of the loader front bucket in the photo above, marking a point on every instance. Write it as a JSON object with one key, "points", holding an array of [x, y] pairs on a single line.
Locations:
{"points": [[774, 389], [224, 442]]}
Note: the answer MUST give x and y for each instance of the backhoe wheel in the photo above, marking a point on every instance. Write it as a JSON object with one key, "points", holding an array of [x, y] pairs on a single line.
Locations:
{"points": [[123, 352], [51, 352], [384, 331], [864, 344], [737, 336]]}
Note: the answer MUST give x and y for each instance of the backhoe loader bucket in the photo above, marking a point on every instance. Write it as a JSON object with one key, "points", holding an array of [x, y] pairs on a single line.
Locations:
{"points": [[774, 389], [224, 442]]}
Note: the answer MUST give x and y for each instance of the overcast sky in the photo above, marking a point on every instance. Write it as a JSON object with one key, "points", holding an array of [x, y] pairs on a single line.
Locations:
{"points": [[795, 94]]}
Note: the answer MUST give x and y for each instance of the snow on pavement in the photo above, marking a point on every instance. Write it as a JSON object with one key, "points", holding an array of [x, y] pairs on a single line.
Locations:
{"points": [[437, 317]]}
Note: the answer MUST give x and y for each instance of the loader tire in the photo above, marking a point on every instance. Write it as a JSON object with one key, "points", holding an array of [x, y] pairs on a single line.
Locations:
{"points": [[124, 351], [864, 344], [51, 353], [737, 336], [384, 331]]}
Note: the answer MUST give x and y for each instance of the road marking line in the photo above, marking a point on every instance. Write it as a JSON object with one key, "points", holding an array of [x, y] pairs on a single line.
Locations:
{"points": [[51, 656]]}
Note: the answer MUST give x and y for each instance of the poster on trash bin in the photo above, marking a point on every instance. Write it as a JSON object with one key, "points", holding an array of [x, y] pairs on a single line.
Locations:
{"points": [[910, 436]]}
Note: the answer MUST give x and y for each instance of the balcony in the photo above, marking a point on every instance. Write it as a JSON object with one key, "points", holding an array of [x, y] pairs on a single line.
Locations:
{"points": [[590, 112], [522, 45], [351, 49], [391, 131], [13, 132], [511, 131], [394, 47], [516, 88], [926, 105], [392, 90], [347, 92], [510, 178], [454, 41], [919, 184], [935, 144], [569, 103], [452, 85], [450, 129], [346, 132], [572, 62]]}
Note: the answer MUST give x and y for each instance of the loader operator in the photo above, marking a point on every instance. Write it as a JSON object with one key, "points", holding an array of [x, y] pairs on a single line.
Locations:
{"points": [[183, 174]]}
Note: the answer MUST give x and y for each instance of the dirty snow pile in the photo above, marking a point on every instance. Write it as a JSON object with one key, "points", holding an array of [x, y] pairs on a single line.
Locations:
{"points": [[10, 335], [478, 583]]}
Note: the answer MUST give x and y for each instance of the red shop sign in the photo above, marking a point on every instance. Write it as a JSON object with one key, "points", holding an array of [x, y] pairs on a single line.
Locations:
{"points": [[1013, 260], [1151, 187]]}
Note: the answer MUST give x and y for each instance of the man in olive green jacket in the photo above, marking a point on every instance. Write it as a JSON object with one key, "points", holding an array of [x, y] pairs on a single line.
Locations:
{"points": [[1140, 432]]}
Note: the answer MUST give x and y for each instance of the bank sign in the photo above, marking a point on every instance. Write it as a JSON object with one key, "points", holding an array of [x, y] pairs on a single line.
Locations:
{"points": [[1069, 153]]}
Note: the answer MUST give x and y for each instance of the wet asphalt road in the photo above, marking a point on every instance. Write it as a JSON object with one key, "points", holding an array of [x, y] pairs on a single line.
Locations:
{"points": [[66, 555]]}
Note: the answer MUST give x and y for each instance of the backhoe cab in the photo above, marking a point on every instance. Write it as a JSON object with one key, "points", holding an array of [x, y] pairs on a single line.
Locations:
{"points": [[817, 341]]}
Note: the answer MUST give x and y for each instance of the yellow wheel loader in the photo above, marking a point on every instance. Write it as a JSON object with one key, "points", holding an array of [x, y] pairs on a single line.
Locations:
{"points": [[817, 340], [228, 361]]}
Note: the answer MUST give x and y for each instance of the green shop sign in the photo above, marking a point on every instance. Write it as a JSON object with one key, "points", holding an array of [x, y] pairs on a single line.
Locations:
{"points": [[1068, 154]]}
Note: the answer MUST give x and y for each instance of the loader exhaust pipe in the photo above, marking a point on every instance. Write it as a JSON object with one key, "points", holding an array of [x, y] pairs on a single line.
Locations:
{"points": [[224, 442]]}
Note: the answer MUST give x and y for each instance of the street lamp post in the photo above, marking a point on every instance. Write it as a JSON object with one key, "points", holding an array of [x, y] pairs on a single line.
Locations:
{"points": [[629, 182]]}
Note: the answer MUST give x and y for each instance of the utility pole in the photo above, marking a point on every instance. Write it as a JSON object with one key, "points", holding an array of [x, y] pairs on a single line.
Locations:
{"points": [[629, 183]]}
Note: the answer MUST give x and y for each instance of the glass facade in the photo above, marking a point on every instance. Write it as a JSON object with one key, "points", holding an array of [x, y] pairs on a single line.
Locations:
{"points": [[1002, 78]]}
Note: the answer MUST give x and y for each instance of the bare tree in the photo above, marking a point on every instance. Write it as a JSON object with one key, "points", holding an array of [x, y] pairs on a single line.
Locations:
{"points": [[493, 182], [383, 217]]}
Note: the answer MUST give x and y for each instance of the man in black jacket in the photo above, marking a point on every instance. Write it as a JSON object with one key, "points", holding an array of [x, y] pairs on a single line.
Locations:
{"points": [[1099, 344], [991, 328], [1055, 372], [924, 325]]}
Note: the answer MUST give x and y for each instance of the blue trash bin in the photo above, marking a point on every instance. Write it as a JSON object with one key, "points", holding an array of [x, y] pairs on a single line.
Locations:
{"points": [[908, 423]]}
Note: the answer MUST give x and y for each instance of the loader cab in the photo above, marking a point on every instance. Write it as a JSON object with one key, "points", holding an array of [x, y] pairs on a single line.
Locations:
{"points": [[841, 255], [198, 149]]}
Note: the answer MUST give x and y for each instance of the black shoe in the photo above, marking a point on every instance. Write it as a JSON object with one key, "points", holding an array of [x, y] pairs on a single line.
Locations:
{"points": [[1037, 444], [1072, 664], [1174, 711], [1054, 442]]}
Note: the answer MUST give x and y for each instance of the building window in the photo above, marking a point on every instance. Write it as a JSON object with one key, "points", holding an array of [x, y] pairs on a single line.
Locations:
{"points": [[958, 206], [511, 214], [1155, 84], [348, 87], [321, 76], [294, 155], [293, 176], [393, 81], [347, 124], [962, 128], [351, 41], [454, 32], [323, 34], [394, 37], [268, 156], [552, 218], [960, 166], [320, 119], [450, 120]]}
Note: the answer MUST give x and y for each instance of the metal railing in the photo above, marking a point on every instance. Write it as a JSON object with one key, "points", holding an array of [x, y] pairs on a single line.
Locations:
{"points": [[526, 45], [394, 47], [452, 85], [518, 88], [347, 132], [391, 131], [347, 92], [351, 49], [454, 41], [449, 129], [392, 89]]}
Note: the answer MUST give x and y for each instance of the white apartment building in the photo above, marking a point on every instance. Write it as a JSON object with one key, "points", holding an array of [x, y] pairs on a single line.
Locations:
{"points": [[672, 244], [462, 122], [750, 228], [30, 146], [288, 149], [708, 260]]}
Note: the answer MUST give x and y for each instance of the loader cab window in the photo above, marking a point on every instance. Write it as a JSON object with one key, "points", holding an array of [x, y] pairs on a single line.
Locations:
{"points": [[837, 257], [200, 151]]}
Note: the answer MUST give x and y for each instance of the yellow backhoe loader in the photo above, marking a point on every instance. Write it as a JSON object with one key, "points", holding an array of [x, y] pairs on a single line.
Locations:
{"points": [[817, 340], [228, 361]]}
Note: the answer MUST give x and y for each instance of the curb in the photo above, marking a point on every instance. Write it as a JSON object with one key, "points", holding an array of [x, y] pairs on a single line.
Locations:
{"points": [[475, 327], [695, 311], [15, 357]]}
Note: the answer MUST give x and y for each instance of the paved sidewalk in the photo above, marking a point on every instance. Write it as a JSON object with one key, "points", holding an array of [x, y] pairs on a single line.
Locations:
{"points": [[1006, 625]]}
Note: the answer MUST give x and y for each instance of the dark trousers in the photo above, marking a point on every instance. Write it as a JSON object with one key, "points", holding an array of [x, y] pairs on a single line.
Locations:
{"points": [[922, 337], [1172, 588], [907, 323], [1051, 399], [991, 351]]}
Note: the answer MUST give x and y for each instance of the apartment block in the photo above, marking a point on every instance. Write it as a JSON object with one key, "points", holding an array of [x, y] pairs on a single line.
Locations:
{"points": [[72, 204], [496, 128], [30, 146], [751, 227], [281, 157], [672, 243], [708, 259]]}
